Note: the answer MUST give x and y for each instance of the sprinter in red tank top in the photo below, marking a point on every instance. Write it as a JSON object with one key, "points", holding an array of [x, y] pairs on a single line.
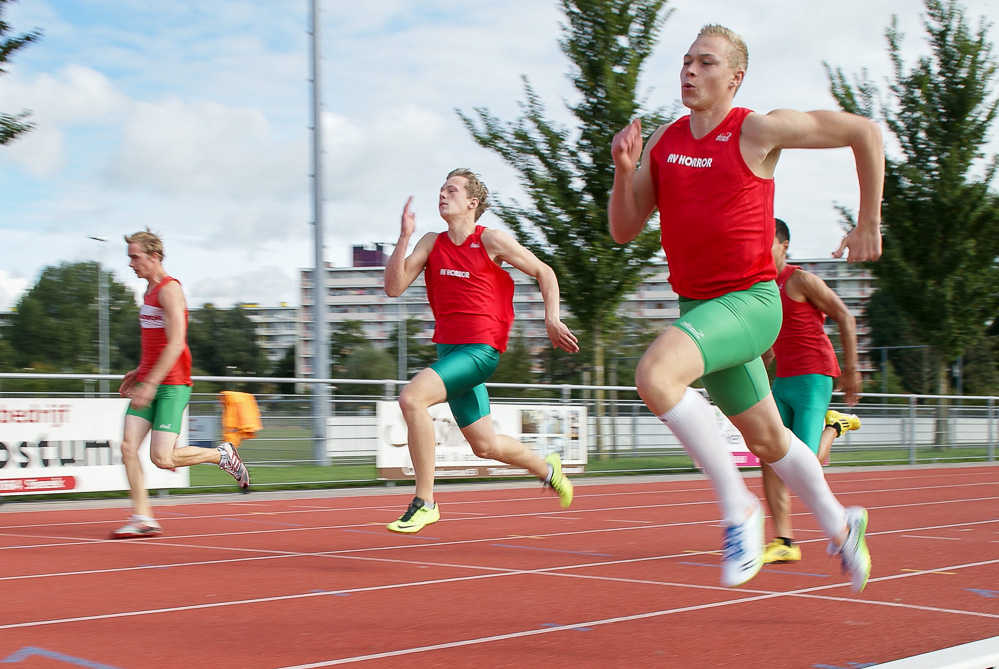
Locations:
{"points": [[710, 176], [806, 367], [472, 300], [159, 389]]}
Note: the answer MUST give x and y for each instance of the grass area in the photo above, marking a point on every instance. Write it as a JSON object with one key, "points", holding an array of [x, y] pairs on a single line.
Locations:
{"points": [[290, 476]]}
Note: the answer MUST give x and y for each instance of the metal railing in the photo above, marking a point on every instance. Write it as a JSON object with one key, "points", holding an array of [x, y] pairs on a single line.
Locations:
{"points": [[624, 436]]}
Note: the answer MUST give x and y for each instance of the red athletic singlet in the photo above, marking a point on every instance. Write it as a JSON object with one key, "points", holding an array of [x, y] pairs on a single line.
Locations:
{"points": [[716, 216], [470, 295], [802, 347], [154, 339]]}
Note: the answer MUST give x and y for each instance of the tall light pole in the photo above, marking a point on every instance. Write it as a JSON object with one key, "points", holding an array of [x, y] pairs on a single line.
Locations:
{"points": [[102, 318], [320, 357]]}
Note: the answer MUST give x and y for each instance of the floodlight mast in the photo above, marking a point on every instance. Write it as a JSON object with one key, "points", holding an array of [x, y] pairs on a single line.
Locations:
{"points": [[320, 367]]}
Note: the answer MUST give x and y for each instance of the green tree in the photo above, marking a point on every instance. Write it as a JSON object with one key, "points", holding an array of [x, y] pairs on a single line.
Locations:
{"points": [[557, 366], [418, 355], [223, 342], [7, 357], [909, 361], [285, 366], [12, 125], [55, 324], [345, 338], [567, 172], [367, 362], [940, 216], [515, 365], [632, 337], [980, 367]]}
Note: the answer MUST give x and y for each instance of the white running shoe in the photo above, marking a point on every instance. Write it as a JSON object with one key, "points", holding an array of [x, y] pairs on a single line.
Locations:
{"points": [[232, 463], [137, 527], [853, 553], [742, 551]]}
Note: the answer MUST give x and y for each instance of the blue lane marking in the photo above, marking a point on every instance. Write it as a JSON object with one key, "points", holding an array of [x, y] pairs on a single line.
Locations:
{"points": [[551, 550], [574, 629], [413, 535], [984, 593], [364, 532], [29, 651], [769, 571], [849, 665]]}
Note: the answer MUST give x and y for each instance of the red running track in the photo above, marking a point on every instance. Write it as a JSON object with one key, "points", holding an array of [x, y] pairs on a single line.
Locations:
{"points": [[628, 577]]}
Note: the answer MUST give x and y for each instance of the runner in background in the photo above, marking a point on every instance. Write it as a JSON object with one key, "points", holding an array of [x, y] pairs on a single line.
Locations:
{"points": [[802, 389], [160, 388]]}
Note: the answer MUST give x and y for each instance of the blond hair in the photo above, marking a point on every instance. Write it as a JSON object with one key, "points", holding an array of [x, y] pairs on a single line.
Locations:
{"points": [[148, 241], [474, 188], [738, 54]]}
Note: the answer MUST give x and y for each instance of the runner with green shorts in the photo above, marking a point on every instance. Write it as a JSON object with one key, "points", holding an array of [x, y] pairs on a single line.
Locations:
{"points": [[806, 368], [160, 388], [471, 297], [710, 175]]}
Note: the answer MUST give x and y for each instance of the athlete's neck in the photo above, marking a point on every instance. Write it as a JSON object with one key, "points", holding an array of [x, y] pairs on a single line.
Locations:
{"points": [[459, 230], [703, 121], [155, 279]]}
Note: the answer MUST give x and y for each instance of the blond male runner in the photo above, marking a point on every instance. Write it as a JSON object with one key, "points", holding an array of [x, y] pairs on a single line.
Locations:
{"points": [[160, 388], [710, 175], [806, 368], [472, 300]]}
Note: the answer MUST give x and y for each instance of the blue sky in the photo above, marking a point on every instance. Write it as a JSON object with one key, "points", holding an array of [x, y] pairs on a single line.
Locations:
{"points": [[192, 117]]}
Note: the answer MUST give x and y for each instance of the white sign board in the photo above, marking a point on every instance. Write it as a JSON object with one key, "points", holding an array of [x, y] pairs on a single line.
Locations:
{"points": [[72, 445], [544, 428]]}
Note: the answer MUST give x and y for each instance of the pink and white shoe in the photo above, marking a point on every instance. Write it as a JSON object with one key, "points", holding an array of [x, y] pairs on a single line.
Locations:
{"points": [[137, 527], [231, 462]]}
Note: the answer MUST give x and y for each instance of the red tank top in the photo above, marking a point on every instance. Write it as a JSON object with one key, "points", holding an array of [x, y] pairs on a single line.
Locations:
{"points": [[154, 339], [470, 295], [802, 347], [716, 216]]}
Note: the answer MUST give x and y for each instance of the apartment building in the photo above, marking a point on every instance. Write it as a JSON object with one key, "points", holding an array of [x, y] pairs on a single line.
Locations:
{"points": [[356, 293], [277, 328]]}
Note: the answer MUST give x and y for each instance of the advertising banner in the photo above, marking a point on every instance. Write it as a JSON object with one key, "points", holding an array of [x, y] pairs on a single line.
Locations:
{"points": [[544, 428], [71, 445]]}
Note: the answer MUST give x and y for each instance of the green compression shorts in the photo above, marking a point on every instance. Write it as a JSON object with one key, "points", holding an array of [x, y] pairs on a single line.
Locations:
{"points": [[166, 411], [733, 331], [464, 369], [803, 401]]}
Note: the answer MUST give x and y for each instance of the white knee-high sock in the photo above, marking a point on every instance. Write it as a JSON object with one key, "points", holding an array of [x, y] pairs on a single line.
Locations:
{"points": [[802, 473], [693, 421]]}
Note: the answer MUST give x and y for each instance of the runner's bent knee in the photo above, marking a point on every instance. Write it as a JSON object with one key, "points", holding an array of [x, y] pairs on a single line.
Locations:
{"points": [[425, 390]]}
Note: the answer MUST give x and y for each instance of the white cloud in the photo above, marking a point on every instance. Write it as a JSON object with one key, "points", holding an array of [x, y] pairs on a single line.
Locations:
{"points": [[11, 289], [206, 148], [73, 97], [192, 118], [268, 286]]}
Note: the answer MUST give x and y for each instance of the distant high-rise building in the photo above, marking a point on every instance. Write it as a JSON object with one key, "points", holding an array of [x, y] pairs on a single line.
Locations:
{"points": [[365, 255]]}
